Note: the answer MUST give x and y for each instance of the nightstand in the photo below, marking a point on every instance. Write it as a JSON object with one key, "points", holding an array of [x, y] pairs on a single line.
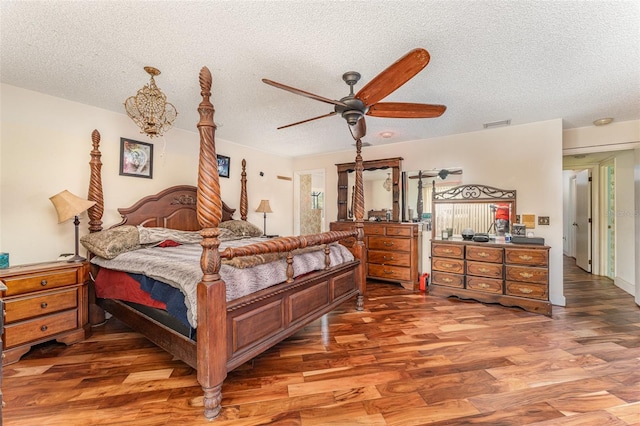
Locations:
{"points": [[42, 302]]}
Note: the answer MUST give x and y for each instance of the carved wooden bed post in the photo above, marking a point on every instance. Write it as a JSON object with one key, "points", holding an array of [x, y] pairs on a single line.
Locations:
{"points": [[243, 192], [358, 207], [212, 338], [95, 185]]}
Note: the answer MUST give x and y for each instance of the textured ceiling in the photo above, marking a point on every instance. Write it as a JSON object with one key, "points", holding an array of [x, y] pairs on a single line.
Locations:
{"points": [[490, 60]]}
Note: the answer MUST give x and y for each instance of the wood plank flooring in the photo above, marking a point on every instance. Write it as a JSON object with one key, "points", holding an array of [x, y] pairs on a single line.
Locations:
{"points": [[408, 359]]}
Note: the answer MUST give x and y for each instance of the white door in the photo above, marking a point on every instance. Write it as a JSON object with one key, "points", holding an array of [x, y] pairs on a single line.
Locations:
{"points": [[582, 222]]}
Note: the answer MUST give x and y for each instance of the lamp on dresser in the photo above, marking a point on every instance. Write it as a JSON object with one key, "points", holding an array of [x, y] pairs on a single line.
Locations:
{"points": [[264, 208], [67, 206]]}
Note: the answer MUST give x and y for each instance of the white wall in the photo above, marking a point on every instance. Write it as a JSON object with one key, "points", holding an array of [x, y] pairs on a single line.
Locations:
{"points": [[44, 148], [636, 179], [625, 221], [527, 158]]}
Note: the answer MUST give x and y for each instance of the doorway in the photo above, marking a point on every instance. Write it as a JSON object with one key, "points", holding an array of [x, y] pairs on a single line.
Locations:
{"points": [[309, 202]]}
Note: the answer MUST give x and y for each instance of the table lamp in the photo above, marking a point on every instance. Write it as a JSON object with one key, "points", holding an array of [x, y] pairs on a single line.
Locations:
{"points": [[67, 206], [264, 208]]}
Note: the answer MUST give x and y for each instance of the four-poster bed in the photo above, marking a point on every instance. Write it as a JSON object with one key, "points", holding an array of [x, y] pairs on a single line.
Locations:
{"points": [[230, 333]]}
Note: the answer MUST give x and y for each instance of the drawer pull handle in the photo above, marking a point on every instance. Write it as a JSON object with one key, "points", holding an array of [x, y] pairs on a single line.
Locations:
{"points": [[483, 254], [483, 285], [43, 305], [44, 328], [387, 243], [447, 265], [526, 275], [447, 251], [387, 272], [447, 280], [525, 290], [387, 258], [525, 257], [483, 270], [43, 283]]}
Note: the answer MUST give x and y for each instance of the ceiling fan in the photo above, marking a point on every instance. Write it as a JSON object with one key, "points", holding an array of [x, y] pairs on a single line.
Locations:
{"points": [[442, 174], [355, 106]]}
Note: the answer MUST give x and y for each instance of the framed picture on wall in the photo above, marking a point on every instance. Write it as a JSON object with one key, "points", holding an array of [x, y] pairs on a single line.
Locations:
{"points": [[136, 158], [223, 166]]}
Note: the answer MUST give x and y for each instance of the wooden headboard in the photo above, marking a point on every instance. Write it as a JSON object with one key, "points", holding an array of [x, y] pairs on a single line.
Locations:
{"points": [[173, 208]]}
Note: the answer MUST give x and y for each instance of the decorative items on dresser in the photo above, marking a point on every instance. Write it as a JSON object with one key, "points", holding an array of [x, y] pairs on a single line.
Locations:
{"points": [[43, 301], [487, 269], [505, 273], [392, 250]]}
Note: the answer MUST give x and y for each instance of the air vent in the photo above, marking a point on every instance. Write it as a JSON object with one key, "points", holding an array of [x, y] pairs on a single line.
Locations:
{"points": [[497, 124]]}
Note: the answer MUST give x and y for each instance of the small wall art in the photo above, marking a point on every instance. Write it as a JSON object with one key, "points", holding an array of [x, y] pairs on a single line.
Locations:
{"points": [[136, 158], [223, 166]]}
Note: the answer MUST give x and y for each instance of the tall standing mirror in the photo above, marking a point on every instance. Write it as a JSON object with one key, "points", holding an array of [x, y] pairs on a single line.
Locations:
{"points": [[381, 182]]}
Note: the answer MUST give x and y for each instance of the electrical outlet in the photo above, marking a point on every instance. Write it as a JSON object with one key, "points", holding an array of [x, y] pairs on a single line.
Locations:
{"points": [[543, 220]]}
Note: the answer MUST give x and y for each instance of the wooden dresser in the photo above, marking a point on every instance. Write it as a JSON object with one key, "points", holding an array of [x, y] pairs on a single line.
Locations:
{"points": [[42, 302], [508, 274], [392, 250]]}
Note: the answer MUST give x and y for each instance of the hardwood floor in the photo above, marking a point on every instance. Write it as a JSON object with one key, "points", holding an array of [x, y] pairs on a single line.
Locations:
{"points": [[409, 359]]}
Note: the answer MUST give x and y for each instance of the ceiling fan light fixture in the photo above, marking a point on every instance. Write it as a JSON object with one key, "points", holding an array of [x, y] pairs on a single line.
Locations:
{"points": [[149, 108], [387, 182], [497, 124], [352, 116], [602, 121]]}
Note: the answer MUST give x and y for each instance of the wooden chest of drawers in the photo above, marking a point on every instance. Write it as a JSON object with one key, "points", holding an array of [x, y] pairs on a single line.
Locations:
{"points": [[392, 251], [509, 274], [42, 302]]}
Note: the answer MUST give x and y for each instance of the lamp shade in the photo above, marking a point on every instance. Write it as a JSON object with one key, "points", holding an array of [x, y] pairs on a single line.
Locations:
{"points": [[68, 205], [264, 207]]}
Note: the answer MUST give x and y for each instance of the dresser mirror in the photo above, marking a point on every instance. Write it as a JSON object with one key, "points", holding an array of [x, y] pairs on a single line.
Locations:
{"points": [[480, 208], [381, 182], [417, 186]]}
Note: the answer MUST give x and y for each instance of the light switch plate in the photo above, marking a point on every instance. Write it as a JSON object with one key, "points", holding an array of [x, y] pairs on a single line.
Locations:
{"points": [[543, 220]]}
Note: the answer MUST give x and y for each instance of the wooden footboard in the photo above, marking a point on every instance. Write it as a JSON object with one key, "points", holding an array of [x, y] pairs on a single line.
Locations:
{"points": [[229, 334]]}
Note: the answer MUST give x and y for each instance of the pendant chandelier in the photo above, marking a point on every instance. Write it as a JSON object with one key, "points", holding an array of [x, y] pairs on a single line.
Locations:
{"points": [[149, 108], [387, 183]]}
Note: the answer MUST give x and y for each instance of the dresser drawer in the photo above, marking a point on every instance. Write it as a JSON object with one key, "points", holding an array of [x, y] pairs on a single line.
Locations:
{"points": [[389, 272], [389, 243], [525, 274], [481, 269], [455, 266], [29, 307], [399, 231], [374, 229], [448, 250], [530, 290], [389, 258], [527, 257], [37, 282], [487, 285], [484, 254], [449, 280], [40, 328]]}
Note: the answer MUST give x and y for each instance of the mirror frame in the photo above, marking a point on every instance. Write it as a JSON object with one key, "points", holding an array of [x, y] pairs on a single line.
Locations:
{"points": [[472, 193], [343, 184]]}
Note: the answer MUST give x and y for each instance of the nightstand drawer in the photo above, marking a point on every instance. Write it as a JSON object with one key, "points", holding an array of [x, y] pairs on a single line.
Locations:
{"points": [[40, 328], [389, 258], [30, 307], [39, 282], [389, 243], [389, 272]]}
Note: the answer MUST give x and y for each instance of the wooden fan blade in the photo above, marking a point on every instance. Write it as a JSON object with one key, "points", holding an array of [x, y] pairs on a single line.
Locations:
{"points": [[394, 76], [307, 120], [303, 93], [406, 110]]}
